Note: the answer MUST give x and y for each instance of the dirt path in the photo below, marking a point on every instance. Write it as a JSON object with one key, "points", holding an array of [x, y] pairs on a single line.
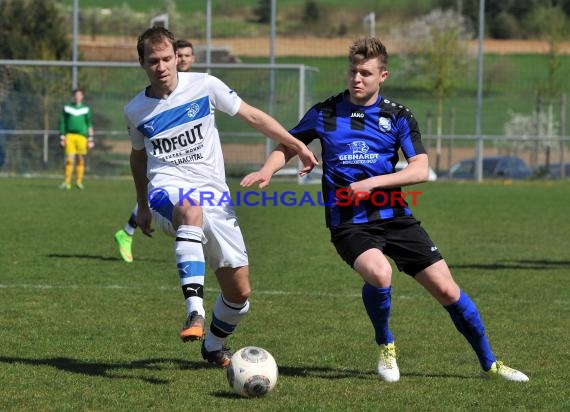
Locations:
{"points": [[123, 48]]}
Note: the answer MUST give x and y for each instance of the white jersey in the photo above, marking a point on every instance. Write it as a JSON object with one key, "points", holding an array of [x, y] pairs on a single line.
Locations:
{"points": [[180, 134]]}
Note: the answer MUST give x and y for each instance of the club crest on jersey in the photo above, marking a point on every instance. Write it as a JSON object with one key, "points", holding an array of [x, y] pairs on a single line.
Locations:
{"points": [[192, 110], [384, 124], [360, 153], [359, 147]]}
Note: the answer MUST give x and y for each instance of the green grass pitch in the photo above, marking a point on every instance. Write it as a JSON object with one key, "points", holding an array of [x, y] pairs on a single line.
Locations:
{"points": [[82, 330]]}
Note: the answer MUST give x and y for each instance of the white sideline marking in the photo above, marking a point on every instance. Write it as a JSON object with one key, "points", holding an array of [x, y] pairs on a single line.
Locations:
{"points": [[255, 292], [165, 288]]}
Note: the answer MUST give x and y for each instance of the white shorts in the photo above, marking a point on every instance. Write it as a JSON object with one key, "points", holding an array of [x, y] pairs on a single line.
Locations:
{"points": [[223, 241]]}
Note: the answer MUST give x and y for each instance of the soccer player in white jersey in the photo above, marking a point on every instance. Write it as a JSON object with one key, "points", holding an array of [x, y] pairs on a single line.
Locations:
{"points": [[124, 236], [176, 162]]}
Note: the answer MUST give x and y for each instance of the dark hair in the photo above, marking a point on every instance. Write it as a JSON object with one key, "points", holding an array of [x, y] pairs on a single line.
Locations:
{"points": [[155, 35], [368, 48], [78, 90], [182, 44]]}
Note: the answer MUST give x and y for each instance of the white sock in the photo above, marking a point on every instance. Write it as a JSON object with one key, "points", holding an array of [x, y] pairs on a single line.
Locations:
{"points": [[191, 266]]}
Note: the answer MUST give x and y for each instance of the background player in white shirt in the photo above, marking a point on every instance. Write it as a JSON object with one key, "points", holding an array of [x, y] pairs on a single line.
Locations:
{"points": [[176, 156]]}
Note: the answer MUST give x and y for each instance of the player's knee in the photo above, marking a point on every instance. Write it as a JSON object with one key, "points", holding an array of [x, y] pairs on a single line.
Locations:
{"points": [[244, 294], [377, 275], [448, 295], [80, 161], [238, 296], [191, 215]]}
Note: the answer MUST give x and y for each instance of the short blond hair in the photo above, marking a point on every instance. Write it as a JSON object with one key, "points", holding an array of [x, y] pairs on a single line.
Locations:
{"points": [[366, 48]]}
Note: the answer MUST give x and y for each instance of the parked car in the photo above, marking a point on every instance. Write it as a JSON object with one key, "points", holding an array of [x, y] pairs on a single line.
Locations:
{"points": [[553, 171], [494, 167], [431, 173]]}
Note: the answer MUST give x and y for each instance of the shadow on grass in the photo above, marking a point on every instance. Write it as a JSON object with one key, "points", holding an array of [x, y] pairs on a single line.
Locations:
{"points": [[112, 370], [539, 264], [96, 257], [118, 370], [330, 373], [83, 256]]}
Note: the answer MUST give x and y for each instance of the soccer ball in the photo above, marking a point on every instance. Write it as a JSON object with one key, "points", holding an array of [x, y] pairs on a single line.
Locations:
{"points": [[252, 372]]}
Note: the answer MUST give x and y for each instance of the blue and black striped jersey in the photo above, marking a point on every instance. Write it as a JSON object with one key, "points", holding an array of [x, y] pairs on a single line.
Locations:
{"points": [[359, 142]]}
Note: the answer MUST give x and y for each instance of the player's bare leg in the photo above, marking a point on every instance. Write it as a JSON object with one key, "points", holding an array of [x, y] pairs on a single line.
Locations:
{"points": [[231, 306]]}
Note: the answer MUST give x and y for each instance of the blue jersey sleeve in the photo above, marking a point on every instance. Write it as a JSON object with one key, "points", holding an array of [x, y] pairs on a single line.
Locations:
{"points": [[306, 129], [409, 134]]}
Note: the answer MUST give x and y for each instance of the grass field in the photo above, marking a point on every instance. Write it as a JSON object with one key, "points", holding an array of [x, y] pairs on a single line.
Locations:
{"points": [[81, 330]]}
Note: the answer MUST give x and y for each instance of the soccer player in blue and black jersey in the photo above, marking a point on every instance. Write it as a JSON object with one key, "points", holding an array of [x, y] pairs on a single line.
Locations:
{"points": [[361, 133]]}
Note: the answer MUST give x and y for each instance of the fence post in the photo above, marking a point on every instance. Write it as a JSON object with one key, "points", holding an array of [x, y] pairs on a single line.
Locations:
{"points": [[451, 136], [562, 134], [428, 130], [45, 149]]}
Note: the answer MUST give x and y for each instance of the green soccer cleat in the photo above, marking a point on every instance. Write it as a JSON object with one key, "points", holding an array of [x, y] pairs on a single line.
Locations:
{"points": [[387, 367], [79, 186], [124, 241], [65, 186], [501, 371]]}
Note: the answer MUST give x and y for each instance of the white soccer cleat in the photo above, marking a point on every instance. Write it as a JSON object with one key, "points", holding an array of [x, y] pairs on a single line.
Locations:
{"points": [[387, 367], [501, 371]]}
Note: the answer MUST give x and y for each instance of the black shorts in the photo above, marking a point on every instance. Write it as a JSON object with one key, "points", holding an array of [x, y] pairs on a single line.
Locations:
{"points": [[401, 238]]}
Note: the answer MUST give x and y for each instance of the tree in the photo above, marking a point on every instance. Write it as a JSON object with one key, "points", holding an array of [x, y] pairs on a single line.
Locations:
{"points": [[551, 24], [435, 49], [311, 13], [32, 29], [263, 11], [506, 18]]}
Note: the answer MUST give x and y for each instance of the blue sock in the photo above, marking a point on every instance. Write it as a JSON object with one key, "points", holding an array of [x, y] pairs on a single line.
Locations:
{"points": [[377, 303], [465, 316]]}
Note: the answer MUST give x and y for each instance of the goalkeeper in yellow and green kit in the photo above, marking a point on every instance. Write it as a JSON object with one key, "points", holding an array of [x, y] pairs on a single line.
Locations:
{"points": [[76, 136]]}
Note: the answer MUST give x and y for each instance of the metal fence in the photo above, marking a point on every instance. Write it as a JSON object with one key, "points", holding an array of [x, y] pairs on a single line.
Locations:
{"points": [[32, 94]]}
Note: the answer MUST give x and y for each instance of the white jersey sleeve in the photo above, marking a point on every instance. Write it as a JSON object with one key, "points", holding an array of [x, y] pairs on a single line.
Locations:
{"points": [[223, 97], [137, 138]]}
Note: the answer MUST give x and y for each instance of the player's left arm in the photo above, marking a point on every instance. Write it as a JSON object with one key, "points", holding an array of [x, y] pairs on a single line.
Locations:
{"points": [[271, 128], [274, 162], [90, 131], [417, 171]]}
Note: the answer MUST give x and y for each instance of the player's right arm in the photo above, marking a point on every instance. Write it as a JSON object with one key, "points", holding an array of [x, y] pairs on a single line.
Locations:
{"points": [[62, 128], [138, 162]]}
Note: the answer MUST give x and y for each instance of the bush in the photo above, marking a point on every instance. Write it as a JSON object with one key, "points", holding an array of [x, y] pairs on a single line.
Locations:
{"points": [[504, 26]]}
